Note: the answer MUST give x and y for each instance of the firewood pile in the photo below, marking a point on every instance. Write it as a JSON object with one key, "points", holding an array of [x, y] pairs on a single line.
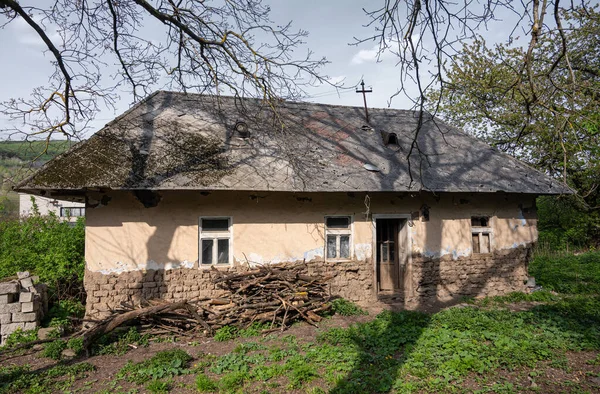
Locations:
{"points": [[274, 296]]}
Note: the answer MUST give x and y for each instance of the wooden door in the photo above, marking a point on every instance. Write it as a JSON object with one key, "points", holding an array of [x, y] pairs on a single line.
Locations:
{"points": [[390, 265]]}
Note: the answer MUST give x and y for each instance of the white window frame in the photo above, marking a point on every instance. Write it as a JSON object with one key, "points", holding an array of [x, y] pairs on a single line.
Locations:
{"points": [[80, 210], [215, 236], [338, 232], [482, 230]]}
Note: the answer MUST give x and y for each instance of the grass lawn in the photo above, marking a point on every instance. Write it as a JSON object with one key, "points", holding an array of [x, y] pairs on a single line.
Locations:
{"points": [[550, 343]]}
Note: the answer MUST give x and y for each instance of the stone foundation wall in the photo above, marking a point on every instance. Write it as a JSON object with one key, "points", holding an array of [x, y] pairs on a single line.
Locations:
{"points": [[442, 279], [482, 275], [22, 305], [352, 280]]}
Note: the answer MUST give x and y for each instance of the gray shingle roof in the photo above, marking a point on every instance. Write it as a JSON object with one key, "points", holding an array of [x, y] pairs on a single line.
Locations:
{"points": [[187, 141]]}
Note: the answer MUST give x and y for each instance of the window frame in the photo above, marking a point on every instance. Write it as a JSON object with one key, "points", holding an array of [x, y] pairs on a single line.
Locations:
{"points": [[81, 210], [479, 230], [215, 236], [338, 233]]}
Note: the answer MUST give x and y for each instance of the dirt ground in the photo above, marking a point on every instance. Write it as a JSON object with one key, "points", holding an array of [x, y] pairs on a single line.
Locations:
{"points": [[574, 375]]}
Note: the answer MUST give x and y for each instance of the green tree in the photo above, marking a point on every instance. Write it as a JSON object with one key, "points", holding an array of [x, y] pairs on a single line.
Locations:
{"points": [[548, 117]]}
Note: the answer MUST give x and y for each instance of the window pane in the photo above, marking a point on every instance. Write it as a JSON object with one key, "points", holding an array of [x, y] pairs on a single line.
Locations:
{"points": [[479, 221], [207, 248], [344, 246], [223, 251], [215, 225], [485, 243], [384, 251], [331, 248], [340, 222], [476, 243]]}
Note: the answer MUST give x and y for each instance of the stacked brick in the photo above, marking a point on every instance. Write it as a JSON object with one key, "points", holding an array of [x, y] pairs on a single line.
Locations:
{"points": [[352, 280], [22, 304], [430, 280]]}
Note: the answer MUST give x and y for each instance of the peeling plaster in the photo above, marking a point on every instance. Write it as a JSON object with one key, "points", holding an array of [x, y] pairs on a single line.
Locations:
{"points": [[121, 267], [363, 251], [255, 258], [521, 217], [456, 253]]}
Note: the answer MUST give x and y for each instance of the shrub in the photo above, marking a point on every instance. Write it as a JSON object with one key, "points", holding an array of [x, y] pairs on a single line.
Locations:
{"points": [[58, 315], [204, 384], [47, 247], [346, 308], [568, 274]]}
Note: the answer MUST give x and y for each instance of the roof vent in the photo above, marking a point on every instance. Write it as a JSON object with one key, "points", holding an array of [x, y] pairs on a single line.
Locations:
{"points": [[390, 138], [242, 129]]}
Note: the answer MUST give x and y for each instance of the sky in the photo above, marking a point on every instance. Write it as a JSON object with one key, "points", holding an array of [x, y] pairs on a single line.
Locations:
{"points": [[332, 24]]}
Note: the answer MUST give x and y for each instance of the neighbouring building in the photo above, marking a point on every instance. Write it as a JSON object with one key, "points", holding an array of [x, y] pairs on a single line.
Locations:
{"points": [[66, 210], [182, 183]]}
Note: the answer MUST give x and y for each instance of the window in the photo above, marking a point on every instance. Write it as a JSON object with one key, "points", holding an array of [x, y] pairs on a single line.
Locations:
{"points": [[72, 212], [215, 241], [481, 233], [338, 232]]}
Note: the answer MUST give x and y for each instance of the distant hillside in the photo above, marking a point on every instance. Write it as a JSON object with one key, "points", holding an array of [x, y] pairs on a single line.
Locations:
{"points": [[18, 159]]}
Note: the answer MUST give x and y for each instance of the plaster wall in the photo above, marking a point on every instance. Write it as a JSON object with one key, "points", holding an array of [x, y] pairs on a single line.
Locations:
{"points": [[122, 235]]}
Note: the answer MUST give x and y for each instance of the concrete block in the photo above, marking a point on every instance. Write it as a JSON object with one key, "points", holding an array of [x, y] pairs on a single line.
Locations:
{"points": [[20, 317], [30, 326], [5, 318], [30, 306], [10, 308], [6, 299], [9, 288], [7, 329], [27, 283], [23, 275], [25, 297]]}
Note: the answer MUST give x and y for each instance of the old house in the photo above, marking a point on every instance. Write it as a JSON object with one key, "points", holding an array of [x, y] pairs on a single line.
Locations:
{"points": [[181, 183], [65, 210]]}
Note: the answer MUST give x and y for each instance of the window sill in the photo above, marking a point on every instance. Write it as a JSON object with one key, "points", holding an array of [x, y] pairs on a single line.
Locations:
{"points": [[338, 260], [223, 267]]}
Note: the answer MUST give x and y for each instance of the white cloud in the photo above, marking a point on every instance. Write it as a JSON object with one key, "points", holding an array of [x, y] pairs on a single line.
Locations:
{"points": [[25, 34], [371, 55]]}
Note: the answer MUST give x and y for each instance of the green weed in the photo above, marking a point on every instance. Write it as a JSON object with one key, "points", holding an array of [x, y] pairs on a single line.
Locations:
{"points": [[76, 345], [204, 384], [346, 308], [118, 343], [232, 381], [20, 337], [158, 387], [59, 378], [226, 333], [164, 364], [54, 349]]}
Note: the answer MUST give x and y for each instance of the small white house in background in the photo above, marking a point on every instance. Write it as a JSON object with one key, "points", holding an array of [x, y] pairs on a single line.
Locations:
{"points": [[66, 210]]}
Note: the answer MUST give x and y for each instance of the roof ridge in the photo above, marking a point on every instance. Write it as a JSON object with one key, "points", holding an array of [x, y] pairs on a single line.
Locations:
{"points": [[285, 101]]}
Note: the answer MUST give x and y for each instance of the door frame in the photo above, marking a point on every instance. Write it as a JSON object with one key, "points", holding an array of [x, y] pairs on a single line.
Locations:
{"points": [[408, 291]]}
